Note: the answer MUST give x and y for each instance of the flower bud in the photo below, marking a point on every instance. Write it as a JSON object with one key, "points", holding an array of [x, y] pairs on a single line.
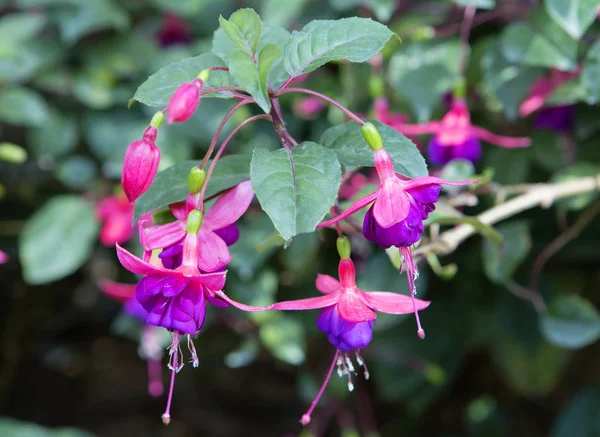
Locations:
{"points": [[196, 178], [184, 101], [194, 221], [343, 247], [140, 165], [372, 136]]}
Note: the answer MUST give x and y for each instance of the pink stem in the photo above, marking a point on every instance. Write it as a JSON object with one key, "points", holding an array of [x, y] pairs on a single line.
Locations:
{"points": [[166, 417], [222, 149], [223, 88], [155, 384], [335, 103], [465, 30], [306, 416], [499, 140]]}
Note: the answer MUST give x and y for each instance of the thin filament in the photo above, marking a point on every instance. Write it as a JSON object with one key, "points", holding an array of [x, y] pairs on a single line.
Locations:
{"points": [[410, 268], [306, 417]]}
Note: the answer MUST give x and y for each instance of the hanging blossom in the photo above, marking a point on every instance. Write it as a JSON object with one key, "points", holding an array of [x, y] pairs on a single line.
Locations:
{"points": [[217, 232], [398, 207], [116, 215], [173, 31], [150, 348], [348, 316], [3, 257], [455, 136], [176, 299], [559, 118]]}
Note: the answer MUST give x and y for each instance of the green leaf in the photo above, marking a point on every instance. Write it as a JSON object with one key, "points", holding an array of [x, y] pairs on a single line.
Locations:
{"points": [[22, 106], [322, 41], [382, 9], [571, 322], [253, 76], [57, 239], [17, 28], [170, 185], [275, 14], [423, 72], [539, 42], [590, 74], [580, 416], [56, 136], [284, 338], [243, 29], [574, 16], [20, 65], [158, 88], [88, 17], [16, 428], [348, 143], [480, 4], [77, 172], [571, 92], [295, 187], [500, 262]]}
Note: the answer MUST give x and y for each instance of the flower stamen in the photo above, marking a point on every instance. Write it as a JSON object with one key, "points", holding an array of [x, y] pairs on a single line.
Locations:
{"points": [[306, 416]]}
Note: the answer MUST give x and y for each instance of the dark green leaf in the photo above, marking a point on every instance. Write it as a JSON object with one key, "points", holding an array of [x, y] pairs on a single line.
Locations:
{"points": [[580, 416], [88, 17], [158, 88], [243, 29], [322, 41], [170, 185], [77, 172], [348, 143], [284, 338], [500, 262], [57, 239], [17, 28], [22, 106], [574, 16], [571, 322], [275, 14], [253, 76], [16, 428], [382, 9], [56, 136], [31, 56], [591, 72], [296, 188]]}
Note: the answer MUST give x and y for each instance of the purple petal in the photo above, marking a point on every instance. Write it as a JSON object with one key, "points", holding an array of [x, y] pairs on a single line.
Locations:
{"points": [[405, 233], [437, 153], [135, 309], [558, 118], [469, 150], [229, 234], [356, 335], [172, 256]]}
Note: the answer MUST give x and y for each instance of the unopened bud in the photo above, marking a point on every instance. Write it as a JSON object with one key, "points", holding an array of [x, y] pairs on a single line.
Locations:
{"points": [[157, 119], [194, 221], [372, 136], [203, 75], [184, 101], [343, 247], [196, 178], [140, 165]]}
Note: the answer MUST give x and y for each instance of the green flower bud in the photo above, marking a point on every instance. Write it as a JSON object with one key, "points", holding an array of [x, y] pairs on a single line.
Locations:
{"points": [[194, 221], [343, 247], [372, 136], [203, 75], [196, 178], [157, 119]]}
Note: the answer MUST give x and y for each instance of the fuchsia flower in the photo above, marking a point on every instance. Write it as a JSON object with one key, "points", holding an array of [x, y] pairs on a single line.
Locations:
{"points": [[455, 136], [150, 348], [116, 213], [348, 316], [3, 257], [559, 118], [381, 112], [184, 101], [140, 165], [308, 107], [218, 230], [173, 31]]}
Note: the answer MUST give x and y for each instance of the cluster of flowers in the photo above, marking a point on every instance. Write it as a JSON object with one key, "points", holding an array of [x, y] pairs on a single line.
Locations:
{"points": [[185, 260]]}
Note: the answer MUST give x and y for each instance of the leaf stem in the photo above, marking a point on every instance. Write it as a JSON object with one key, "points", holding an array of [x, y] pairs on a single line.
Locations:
{"points": [[351, 115], [287, 141], [465, 30], [222, 148]]}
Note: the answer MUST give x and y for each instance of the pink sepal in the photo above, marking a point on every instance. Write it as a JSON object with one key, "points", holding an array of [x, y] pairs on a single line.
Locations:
{"points": [[213, 253], [136, 265], [241, 306], [3, 257], [392, 303], [179, 210], [429, 180], [310, 303], [212, 281], [117, 290], [353, 309], [161, 236], [499, 140], [419, 129], [230, 206], [359, 204], [326, 284], [392, 205]]}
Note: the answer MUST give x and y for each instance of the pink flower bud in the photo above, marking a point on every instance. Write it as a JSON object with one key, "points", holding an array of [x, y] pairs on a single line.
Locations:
{"points": [[184, 102], [140, 164]]}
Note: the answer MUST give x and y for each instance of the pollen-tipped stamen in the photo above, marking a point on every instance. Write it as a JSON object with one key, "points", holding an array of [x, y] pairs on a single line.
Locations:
{"points": [[195, 361], [174, 353], [411, 274], [346, 371], [306, 416], [361, 362]]}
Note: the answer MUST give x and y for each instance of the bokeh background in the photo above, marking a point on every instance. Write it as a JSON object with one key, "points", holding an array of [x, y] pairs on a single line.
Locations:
{"points": [[493, 363]]}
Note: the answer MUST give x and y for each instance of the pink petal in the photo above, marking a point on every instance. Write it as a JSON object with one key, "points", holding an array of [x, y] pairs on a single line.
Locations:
{"points": [[359, 204], [310, 303], [353, 309], [327, 284], [136, 265], [241, 306], [418, 129], [392, 205], [3, 257], [161, 236], [179, 210], [428, 180], [212, 251], [229, 207], [116, 290], [106, 207], [392, 303], [499, 140], [213, 281]]}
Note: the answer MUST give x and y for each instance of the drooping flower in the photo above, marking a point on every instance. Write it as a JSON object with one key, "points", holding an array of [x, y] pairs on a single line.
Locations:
{"points": [[116, 213], [218, 230], [184, 101], [382, 113], [173, 31], [455, 136], [348, 315], [150, 347], [140, 164], [559, 118]]}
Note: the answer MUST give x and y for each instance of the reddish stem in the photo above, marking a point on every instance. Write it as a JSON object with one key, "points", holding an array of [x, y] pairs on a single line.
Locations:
{"points": [[306, 417], [465, 30], [222, 148], [335, 103]]}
